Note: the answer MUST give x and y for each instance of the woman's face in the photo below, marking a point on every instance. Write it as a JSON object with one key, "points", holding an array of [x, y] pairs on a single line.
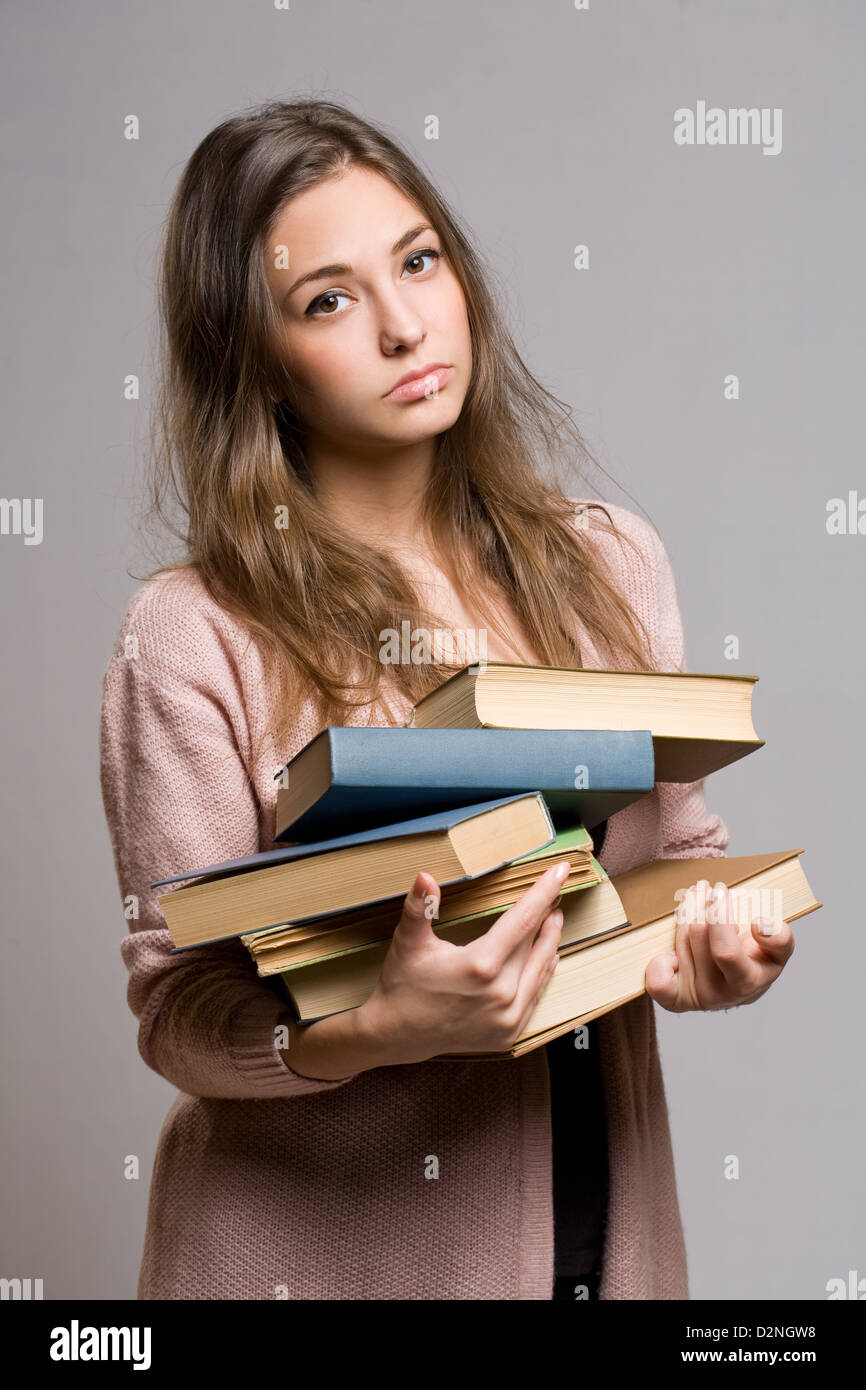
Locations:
{"points": [[376, 313]]}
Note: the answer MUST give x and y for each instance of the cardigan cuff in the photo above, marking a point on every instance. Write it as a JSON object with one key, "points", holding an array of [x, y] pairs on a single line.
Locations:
{"points": [[254, 1054]]}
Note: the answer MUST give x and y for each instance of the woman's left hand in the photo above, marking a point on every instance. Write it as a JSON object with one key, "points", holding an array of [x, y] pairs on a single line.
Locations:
{"points": [[715, 965]]}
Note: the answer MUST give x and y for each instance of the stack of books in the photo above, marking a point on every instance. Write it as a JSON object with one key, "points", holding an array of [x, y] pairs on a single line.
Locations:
{"points": [[501, 771]]}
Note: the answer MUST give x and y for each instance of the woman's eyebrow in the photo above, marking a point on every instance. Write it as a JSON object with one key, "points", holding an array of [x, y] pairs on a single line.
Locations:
{"points": [[327, 272]]}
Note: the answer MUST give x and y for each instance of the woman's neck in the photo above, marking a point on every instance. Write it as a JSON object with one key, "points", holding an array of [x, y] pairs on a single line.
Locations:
{"points": [[379, 498]]}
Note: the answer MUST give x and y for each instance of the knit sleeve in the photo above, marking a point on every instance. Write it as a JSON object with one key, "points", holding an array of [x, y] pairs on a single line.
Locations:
{"points": [[177, 796], [687, 830]]}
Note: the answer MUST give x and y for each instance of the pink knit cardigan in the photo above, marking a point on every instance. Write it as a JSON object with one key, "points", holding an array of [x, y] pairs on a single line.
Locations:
{"points": [[268, 1184]]}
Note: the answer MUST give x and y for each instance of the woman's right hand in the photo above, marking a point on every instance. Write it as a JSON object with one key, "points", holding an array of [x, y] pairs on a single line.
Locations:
{"points": [[435, 997]]}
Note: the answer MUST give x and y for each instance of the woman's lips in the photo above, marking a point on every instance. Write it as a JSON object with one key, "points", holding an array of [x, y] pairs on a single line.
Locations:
{"points": [[429, 385]]}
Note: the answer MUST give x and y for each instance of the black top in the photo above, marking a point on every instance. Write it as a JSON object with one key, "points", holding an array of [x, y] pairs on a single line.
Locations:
{"points": [[579, 1133]]}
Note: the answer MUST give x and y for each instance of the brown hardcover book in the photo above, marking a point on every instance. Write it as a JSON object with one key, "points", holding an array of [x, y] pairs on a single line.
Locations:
{"points": [[610, 934], [699, 722], [591, 982]]}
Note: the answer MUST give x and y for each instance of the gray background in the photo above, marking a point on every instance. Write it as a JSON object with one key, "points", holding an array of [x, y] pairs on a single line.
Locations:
{"points": [[556, 129]]}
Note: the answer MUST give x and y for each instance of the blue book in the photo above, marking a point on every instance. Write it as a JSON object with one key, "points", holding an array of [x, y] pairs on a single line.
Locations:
{"points": [[357, 778], [301, 882]]}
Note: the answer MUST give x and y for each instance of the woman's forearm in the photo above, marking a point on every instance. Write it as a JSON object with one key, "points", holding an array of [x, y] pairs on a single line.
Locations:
{"points": [[332, 1048]]}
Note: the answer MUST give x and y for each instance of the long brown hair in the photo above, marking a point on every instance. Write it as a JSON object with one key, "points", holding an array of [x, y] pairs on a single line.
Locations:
{"points": [[315, 599]]}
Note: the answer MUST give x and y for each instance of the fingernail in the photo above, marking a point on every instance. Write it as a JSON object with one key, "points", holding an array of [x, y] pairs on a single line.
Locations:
{"points": [[769, 926], [562, 872], [557, 918]]}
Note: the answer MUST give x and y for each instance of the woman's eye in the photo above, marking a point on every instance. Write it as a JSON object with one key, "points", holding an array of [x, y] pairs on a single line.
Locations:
{"points": [[416, 255], [322, 299], [331, 295]]}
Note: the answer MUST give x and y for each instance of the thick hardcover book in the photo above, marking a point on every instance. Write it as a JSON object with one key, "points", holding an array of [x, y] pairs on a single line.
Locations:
{"points": [[591, 982], [297, 882], [609, 935], [356, 778], [699, 722], [290, 945]]}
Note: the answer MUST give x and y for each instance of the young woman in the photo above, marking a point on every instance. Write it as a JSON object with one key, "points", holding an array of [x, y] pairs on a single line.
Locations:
{"points": [[309, 267]]}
